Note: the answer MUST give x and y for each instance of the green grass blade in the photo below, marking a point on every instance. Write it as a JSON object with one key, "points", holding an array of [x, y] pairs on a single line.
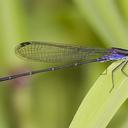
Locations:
{"points": [[99, 106], [105, 19]]}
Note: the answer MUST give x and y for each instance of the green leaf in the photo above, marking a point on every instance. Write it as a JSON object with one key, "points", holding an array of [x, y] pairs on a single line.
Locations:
{"points": [[105, 19], [99, 105]]}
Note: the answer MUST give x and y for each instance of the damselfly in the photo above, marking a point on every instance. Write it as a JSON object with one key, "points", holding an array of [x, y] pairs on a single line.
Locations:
{"points": [[69, 55]]}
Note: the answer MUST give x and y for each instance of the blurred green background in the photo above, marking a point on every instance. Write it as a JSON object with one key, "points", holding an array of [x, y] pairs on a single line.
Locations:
{"points": [[50, 100]]}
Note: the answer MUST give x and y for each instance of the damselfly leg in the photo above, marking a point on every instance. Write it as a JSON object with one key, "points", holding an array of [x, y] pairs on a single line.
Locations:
{"points": [[113, 71], [122, 69]]}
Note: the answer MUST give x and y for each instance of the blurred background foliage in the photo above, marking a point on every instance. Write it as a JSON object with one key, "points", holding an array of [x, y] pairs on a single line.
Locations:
{"points": [[50, 100]]}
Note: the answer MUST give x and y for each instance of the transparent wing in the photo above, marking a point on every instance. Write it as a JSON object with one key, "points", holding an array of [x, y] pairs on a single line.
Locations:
{"points": [[48, 52]]}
